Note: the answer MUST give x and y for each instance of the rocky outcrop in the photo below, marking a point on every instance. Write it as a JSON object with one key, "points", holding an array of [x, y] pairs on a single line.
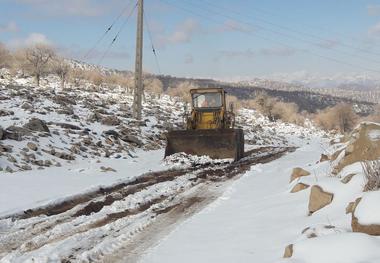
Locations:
{"points": [[364, 144], [319, 199], [36, 124], [370, 229], [298, 172], [299, 187], [16, 133]]}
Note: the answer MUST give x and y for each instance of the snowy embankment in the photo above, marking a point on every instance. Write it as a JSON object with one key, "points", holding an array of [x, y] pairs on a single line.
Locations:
{"points": [[252, 222], [317, 217]]}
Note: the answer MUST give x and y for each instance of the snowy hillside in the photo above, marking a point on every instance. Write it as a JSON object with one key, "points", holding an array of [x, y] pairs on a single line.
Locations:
{"points": [[86, 182]]}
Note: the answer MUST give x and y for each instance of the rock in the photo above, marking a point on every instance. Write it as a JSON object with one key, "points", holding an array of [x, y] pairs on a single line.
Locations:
{"points": [[32, 146], [110, 121], [62, 155], [319, 198], [350, 207], [107, 169], [68, 126], [363, 144], [324, 158], [288, 251], [16, 133], [112, 133], [26, 106], [6, 113], [298, 172], [2, 132], [36, 124], [132, 139], [347, 178], [9, 169], [373, 229], [63, 100], [299, 187]]}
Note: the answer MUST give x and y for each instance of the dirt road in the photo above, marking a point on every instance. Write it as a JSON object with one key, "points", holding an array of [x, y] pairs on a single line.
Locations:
{"points": [[118, 223]]}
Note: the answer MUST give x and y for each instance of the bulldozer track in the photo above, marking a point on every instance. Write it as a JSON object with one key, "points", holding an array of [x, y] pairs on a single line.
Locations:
{"points": [[120, 222]]}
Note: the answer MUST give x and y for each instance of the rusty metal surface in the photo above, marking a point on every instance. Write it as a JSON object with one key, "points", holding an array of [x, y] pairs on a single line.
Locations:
{"points": [[218, 144]]}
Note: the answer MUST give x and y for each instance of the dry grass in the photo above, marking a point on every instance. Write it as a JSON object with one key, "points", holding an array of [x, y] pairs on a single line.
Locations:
{"points": [[182, 90], [5, 57], [372, 175], [340, 117]]}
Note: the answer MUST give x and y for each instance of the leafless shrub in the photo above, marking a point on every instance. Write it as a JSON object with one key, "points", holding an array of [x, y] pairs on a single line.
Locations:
{"points": [[37, 59], [265, 105], [154, 86], [182, 90], [340, 117], [375, 116], [94, 76], [5, 57], [61, 68], [372, 175]]}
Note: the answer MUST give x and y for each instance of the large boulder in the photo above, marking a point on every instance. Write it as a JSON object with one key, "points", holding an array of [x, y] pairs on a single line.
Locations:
{"points": [[363, 144], [16, 133], [365, 218], [298, 172], [319, 198], [36, 124]]}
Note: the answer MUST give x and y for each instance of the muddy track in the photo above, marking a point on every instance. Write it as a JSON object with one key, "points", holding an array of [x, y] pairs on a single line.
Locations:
{"points": [[113, 222]]}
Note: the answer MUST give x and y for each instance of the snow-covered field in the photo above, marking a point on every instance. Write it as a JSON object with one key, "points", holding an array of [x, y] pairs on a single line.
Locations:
{"points": [[58, 144]]}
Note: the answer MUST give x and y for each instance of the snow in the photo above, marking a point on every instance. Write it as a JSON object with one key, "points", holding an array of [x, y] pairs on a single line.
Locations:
{"points": [[182, 160], [252, 222], [374, 135], [367, 212], [338, 248], [41, 187]]}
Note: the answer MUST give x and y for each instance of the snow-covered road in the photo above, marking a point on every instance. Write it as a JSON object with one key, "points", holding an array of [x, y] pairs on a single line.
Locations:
{"points": [[252, 222]]}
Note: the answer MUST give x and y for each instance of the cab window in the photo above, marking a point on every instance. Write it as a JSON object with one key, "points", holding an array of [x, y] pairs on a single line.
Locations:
{"points": [[207, 100]]}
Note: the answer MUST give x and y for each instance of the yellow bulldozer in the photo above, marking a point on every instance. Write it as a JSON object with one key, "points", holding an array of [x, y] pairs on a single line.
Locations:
{"points": [[209, 128]]}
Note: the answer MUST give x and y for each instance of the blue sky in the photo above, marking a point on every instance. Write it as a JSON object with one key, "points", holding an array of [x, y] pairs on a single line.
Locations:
{"points": [[206, 38]]}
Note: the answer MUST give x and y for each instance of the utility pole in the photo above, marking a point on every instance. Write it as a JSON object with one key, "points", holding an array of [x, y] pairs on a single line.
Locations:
{"points": [[139, 89]]}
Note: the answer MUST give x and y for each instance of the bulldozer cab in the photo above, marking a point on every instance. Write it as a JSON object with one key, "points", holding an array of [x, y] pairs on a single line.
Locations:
{"points": [[207, 98], [209, 110]]}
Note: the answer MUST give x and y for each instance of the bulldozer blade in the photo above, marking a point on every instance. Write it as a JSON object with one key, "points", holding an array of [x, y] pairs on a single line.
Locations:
{"points": [[218, 144]]}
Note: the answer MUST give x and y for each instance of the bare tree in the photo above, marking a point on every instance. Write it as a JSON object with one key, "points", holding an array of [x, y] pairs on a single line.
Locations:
{"points": [[62, 69], [5, 57], [154, 86], [38, 58]]}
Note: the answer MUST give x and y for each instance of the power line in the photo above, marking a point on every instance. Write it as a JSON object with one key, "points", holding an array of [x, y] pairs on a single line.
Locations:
{"points": [[106, 32], [151, 42], [117, 34], [287, 35], [268, 39], [291, 29]]}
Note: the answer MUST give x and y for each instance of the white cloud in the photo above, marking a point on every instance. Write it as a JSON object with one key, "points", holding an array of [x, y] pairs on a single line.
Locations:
{"points": [[68, 7], [184, 33], [9, 27], [375, 30], [30, 40], [373, 10], [232, 25]]}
